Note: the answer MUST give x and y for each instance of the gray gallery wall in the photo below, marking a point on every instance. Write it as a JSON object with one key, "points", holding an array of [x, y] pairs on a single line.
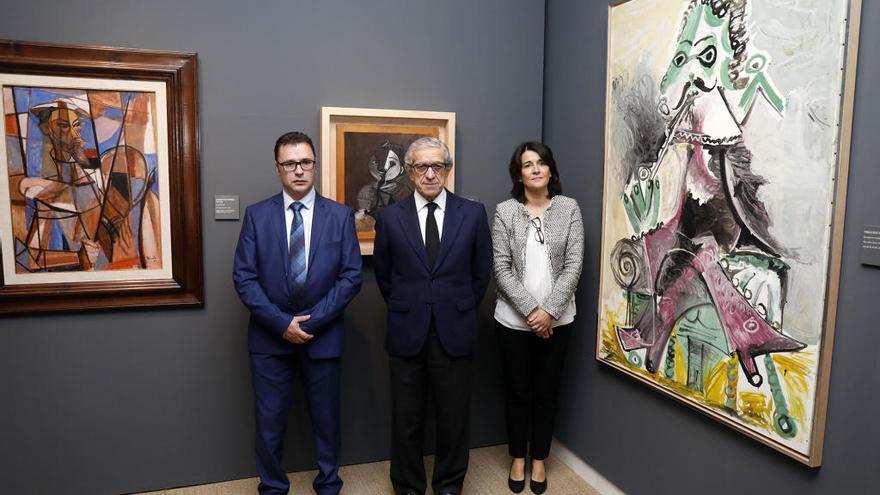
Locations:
{"points": [[130, 401], [645, 442]]}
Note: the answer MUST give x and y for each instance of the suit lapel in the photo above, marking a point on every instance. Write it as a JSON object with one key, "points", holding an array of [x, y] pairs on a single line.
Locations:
{"points": [[451, 226], [318, 224], [409, 221], [279, 224]]}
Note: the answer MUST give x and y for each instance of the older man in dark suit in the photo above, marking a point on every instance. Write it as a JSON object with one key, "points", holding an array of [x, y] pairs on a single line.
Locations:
{"points": [[433, 258]]}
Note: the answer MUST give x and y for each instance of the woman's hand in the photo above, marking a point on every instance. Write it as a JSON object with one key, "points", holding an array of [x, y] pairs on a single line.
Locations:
{"points": [[540, 322]]}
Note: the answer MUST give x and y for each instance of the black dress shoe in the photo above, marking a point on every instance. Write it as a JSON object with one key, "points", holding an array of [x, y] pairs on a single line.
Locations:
{"points": [[538, 487], [514, 485]]}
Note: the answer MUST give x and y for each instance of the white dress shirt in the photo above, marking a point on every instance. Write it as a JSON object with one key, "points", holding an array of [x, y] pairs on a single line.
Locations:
{"points": [[422, 210], [307, 212]]}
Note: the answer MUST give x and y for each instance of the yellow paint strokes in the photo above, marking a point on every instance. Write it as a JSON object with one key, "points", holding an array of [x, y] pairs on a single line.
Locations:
{"points": [[610, 344], [716, 387], [681, 371], [754, 407], [635, 41], [795, 370]]}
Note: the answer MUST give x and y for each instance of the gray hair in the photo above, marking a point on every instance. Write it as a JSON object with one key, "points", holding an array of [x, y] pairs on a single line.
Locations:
{"points": [[426, 143]]}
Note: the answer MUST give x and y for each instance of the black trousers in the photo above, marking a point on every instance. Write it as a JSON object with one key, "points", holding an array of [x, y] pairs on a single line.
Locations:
{"points": [[532, 373], [448, 380]]}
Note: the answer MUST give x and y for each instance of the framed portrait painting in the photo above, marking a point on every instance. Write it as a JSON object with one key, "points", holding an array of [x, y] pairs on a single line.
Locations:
{"points": [[727, 146], [99, 178], [362, 158]]}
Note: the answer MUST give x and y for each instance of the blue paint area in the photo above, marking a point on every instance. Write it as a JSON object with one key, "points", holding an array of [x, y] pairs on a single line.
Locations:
{"points": [[113, 113], [111, 142], [102, 261], [29, 209], [41, 96], [22, 258], [56, 236], [13, 152], [87, 132], [34, 147], [22, 98], [137, 187], [153, 164], [65, 174], [134, 219]]}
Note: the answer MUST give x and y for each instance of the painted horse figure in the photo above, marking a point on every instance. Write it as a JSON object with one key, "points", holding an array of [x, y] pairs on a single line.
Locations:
{"points": [[709, 270]]}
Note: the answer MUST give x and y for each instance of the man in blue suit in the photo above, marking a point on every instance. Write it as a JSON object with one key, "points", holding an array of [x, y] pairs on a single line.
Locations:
{"points": [[433, 258], [296, 299]]}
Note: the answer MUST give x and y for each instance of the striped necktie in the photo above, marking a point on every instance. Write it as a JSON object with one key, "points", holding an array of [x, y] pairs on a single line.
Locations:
{"points": [[296, 254]]}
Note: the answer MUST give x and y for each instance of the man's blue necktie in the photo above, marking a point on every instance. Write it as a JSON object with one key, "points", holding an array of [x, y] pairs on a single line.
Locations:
{"points": [[296, 254]]}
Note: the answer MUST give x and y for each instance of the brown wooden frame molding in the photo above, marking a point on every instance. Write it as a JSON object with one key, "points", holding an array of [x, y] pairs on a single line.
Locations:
{"points": [[179, 73]]}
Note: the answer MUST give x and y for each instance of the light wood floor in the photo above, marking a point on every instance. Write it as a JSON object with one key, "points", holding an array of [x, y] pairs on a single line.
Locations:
{"points": [[487, 475]]}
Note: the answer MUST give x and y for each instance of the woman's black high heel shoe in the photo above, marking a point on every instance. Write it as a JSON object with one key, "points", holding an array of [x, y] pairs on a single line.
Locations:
{"points": [[538, 487], [516, 486]]}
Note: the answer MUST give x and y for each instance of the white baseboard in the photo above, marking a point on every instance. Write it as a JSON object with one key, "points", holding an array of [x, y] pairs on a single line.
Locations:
{"points": [[584, 470]]}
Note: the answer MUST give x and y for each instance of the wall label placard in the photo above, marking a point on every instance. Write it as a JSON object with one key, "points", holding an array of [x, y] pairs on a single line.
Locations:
{"points": [[226, 207], [870, 252]]}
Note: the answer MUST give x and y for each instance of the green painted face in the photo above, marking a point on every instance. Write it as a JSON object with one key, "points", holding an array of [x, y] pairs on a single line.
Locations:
{"points": [[705, 61], [701, 60]]}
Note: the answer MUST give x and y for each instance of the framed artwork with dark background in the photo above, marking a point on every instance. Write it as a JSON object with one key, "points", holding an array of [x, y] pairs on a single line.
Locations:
{"points": [[362, 158]]}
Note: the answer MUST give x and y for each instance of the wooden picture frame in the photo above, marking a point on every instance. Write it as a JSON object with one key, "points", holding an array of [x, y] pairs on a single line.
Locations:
{"points": [[355, 139], [123, 229], [617, 314]]}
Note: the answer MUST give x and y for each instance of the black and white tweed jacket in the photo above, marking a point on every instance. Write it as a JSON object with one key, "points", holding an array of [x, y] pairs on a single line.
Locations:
{"points": [[563, 231]]}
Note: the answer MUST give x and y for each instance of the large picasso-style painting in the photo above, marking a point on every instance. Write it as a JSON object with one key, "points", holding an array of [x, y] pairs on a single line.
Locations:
{"points": [[90, 181], [84, 181], [727, 139]]}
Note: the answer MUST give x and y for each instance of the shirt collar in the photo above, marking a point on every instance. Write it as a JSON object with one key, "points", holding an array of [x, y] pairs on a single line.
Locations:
{"points": [[440, 200], [308, 201]]}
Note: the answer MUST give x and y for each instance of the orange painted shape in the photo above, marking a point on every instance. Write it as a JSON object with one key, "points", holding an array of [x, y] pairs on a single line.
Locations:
{"points": [[12, 125]]}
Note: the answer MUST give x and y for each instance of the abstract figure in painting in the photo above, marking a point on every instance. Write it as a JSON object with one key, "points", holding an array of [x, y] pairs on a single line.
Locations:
{"points": [[389, 182], [374, 173], [83, 179], [707, 279]]}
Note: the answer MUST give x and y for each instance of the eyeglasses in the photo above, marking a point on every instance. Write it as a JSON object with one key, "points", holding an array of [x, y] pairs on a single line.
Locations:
{"points": [[539, 234], [291, 165], [422, 168]]}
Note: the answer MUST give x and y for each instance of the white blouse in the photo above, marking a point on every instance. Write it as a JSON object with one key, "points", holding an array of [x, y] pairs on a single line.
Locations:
{"points": [[538, 281]]}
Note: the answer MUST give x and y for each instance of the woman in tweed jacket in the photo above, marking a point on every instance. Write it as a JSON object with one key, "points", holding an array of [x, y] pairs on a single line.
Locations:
{"points": [[538, 239]]}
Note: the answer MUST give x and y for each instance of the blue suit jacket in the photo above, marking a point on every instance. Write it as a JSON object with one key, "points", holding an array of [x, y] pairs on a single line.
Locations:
{"points": [[260, 276], [451, 290]]}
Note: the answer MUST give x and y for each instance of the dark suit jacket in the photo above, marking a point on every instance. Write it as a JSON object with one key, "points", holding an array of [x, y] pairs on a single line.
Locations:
{"points": [[260, 276], [451, 290]]}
